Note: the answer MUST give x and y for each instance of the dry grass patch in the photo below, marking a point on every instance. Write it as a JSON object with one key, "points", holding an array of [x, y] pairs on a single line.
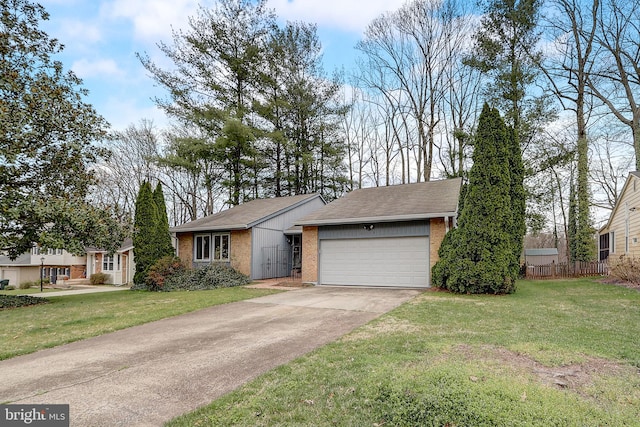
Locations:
{"points": [[385, 326], [577, 377]]}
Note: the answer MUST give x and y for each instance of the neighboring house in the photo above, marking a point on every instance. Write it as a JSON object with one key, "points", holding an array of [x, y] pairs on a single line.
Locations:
{"points": [[381, 236], [541, 256], [54, 264], [619, 236], [119, 266], [257, 238]]}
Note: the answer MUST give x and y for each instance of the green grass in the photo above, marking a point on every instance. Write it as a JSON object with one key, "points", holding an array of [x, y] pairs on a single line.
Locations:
{"points": [[75, 317], [561, 353]]}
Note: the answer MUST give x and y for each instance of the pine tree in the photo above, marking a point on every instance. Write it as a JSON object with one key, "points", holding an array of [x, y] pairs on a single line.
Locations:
{"points": [[478, 257]]}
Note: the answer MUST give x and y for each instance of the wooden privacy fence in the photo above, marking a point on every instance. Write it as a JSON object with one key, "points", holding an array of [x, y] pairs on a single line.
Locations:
{"points": [[566, 270]]}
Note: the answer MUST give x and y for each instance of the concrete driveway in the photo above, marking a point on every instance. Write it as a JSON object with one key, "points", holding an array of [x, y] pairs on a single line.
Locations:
{"points": [[148, 374]]}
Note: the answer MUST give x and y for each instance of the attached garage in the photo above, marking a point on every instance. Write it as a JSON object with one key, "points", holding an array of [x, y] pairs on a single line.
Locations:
{"points": [[389, 261], [380, 236]]}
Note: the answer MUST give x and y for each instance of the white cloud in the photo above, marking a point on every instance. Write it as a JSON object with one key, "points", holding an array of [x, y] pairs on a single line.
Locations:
{"points": [[345, 15], [122, 112], [78, 32], [152, 19], [85, 68]]}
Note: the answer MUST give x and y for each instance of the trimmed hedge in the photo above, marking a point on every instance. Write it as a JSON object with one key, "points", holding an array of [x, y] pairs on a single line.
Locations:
{"points": [[98, 279]]}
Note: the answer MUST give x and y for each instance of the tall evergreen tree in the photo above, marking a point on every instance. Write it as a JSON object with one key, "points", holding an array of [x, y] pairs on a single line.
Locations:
{"points": [[479, 254], [218, 64], [505, 50], [145, 225], [165, 248], [151, 238], [518, 197]]}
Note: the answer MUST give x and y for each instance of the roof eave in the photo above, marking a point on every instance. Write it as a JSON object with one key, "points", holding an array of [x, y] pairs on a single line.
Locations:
{"points": [[616, 207], [390, 218], [210, 228]]}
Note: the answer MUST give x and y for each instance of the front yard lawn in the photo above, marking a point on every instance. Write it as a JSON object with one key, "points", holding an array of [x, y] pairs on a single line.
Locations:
{"points": [[29, 291], [71, 318], [555, 353]]}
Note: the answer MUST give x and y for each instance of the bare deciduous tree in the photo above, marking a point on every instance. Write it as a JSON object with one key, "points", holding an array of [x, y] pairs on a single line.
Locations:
{"points": [[616, 80]]}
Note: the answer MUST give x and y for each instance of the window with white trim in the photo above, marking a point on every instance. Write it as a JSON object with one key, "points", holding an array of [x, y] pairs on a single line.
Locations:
{"points": [[221, 247], [211, 247], [107, 262], [202, 250], [612, 242]]}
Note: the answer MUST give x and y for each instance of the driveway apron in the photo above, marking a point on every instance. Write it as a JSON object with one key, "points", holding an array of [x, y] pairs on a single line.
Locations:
{"points": [[148, 374]]}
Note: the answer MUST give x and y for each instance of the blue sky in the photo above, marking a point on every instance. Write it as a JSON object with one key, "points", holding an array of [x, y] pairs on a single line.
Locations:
{"points": [[101, 38]]}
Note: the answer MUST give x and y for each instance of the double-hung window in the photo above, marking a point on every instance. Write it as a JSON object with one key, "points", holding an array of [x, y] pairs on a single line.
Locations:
{"points": [[107, 262], [221, 247]]}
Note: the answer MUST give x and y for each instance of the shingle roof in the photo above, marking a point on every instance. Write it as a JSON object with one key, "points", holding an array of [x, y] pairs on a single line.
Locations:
{"points": [[393, 203], [127, 244], [246, 215], [22, 260]]}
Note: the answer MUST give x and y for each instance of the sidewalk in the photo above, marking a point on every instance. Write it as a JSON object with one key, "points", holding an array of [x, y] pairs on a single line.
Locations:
{"points": [[83, 290]]}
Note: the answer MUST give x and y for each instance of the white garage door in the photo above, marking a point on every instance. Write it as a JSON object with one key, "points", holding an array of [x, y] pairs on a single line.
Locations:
{"points": [[397, 261], [12, 275]]}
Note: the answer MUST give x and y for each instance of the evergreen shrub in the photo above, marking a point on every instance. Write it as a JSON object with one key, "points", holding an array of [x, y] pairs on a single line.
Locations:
{"points": [[98, 279]]}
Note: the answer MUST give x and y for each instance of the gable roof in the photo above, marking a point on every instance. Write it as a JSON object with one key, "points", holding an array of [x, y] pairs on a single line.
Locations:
{"points": [[606, 226], [126, 245], [405, 202], [246, 215]]}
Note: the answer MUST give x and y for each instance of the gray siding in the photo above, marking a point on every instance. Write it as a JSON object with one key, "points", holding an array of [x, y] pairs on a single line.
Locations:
{"points": [[364, 231], [271, 254], [269, 242], [287, 219]]}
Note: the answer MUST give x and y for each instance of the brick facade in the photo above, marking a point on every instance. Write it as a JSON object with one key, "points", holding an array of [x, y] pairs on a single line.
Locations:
{"points": [[185, 248], [240, 251], [77, 272], [309, 254], [437, 230]]}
